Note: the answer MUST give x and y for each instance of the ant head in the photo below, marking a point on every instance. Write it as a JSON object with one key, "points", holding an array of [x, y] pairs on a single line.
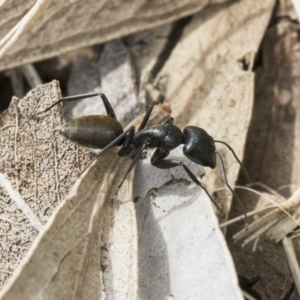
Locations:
{"points": [[199, 146]]}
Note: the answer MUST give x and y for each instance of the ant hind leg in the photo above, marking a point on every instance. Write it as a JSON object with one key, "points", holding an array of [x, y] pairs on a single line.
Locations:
{"points": [[109, 110]]}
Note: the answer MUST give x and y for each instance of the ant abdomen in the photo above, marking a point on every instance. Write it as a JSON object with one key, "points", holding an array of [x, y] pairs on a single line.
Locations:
{"points": [[92, 131]]}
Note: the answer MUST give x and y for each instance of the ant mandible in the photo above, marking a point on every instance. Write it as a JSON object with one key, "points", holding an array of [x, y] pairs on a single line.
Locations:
{"points": [[105, 132]]}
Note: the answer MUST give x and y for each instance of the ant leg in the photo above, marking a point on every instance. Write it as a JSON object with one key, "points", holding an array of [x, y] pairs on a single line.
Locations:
{"points": [[117, 140], [158, 161], [126, 149], [112, 144], [109, 110], [135, 158], [146, 118], [232, 191]]}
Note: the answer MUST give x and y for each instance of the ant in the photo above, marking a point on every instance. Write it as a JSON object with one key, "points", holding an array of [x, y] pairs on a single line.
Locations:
{"points": [[105, 132]]}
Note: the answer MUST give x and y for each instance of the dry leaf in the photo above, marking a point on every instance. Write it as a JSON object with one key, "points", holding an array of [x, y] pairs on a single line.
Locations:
{"points": [[88, 249], [75, 249], [271, 152], [202, 95], [276, 110], [80, 253], [39, 171], [68, 25], [203, 77], [196, 64], [182, 252]]}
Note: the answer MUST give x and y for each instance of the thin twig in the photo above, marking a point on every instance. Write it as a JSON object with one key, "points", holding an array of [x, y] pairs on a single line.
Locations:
{"points": [[31, 75], [247, 296], [26, 22], [21, 203], [249, 214], [292, 260]]}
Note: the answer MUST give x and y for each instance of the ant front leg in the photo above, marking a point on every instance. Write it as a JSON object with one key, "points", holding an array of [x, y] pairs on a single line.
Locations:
{"points": [[158, 160], [147, 116]]}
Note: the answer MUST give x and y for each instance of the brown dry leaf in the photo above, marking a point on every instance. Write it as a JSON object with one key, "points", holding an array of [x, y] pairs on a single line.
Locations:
{"points": [[68, 25], [272, 152], [273, 157], [40, 168], [76, 234], [88, 249], [93, 219]]}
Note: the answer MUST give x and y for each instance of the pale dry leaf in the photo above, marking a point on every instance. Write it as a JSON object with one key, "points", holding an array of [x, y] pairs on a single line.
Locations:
{"points": [[173, 252], [113, 71], [69, 25], [206, 82], [182, 252], [3, 2]]}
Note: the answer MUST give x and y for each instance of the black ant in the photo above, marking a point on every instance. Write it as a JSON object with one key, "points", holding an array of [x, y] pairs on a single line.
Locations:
{"points": [[105, 132]]}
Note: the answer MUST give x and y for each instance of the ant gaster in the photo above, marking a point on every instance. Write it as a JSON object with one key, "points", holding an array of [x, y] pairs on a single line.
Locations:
{"points": [[105, 132]]}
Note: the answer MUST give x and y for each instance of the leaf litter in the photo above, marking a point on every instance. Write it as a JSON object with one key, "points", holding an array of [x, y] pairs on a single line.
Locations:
{"points": [[89, 247]]}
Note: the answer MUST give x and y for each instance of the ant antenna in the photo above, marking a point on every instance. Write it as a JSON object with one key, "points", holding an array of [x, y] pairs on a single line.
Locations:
{"points": [[232, 191], [236, 157]]}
